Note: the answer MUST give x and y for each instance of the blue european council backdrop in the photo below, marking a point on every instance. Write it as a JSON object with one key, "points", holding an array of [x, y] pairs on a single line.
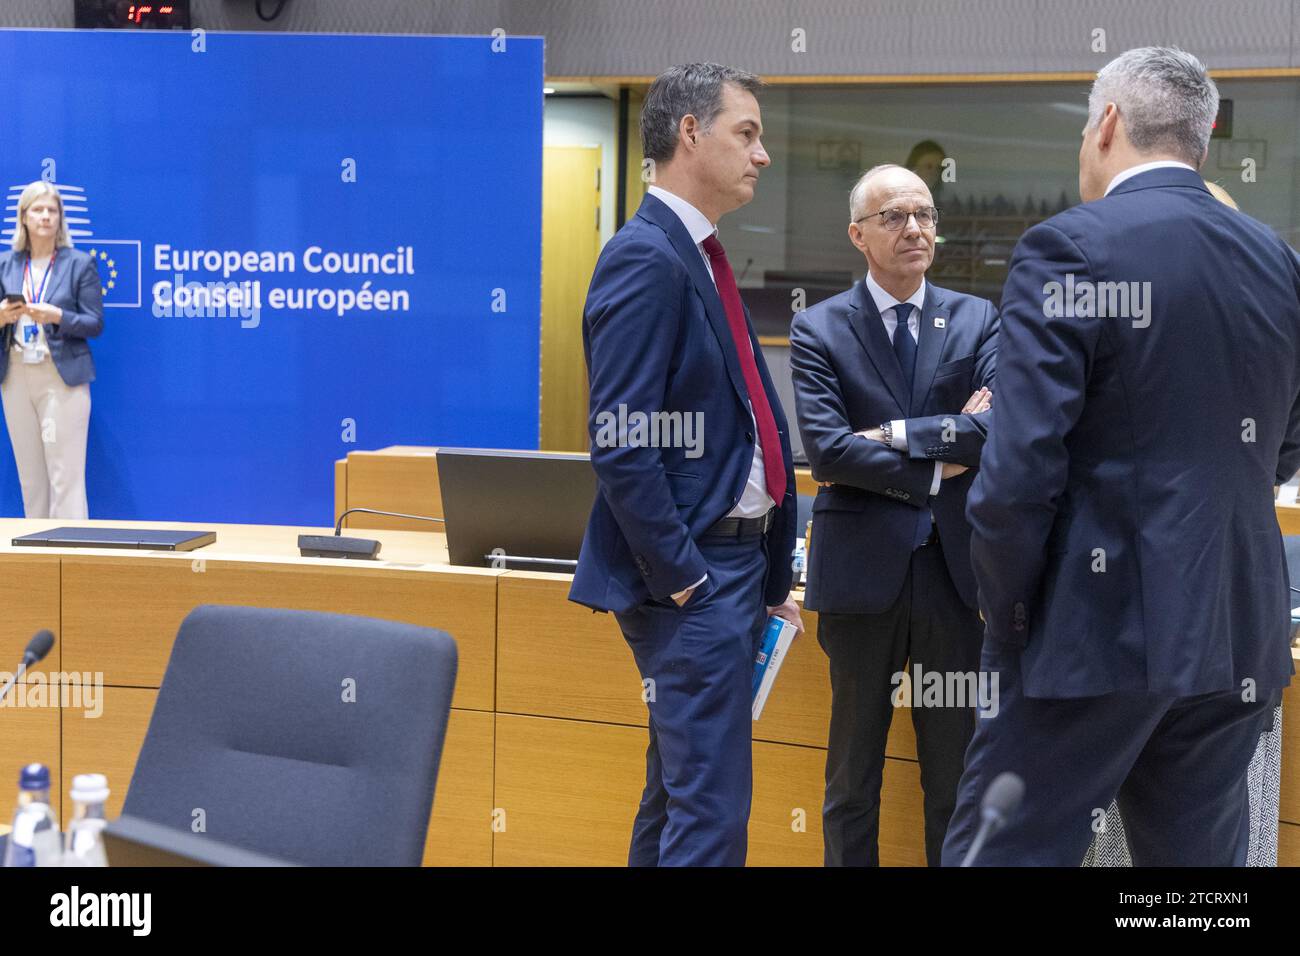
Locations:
{"points": [[307, 244]]}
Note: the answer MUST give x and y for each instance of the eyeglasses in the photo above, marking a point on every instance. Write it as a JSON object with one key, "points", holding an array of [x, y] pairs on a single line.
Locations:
{"points": [[927, 217]]}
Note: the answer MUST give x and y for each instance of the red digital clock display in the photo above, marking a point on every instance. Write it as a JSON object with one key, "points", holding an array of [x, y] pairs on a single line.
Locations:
{"points": [[138, 11], [120, 14]]}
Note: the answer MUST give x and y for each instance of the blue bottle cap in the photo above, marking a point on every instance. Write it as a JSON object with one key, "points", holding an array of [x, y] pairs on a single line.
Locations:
{"points": [[35, 776]]}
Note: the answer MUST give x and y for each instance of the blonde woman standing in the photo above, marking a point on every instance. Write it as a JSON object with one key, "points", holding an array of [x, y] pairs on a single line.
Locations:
{"points": [[52, 304]]}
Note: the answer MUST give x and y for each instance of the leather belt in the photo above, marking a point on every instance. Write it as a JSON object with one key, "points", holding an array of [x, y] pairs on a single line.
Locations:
{"points": [[742, 527]]}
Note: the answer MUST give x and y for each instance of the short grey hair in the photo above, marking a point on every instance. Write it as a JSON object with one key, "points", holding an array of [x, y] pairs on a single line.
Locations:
{"points": [[694, 89], [1165, 97], [858, 194]]}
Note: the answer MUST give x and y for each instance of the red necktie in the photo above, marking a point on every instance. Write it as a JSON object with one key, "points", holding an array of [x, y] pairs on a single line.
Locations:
{"points": [[773, 463]]}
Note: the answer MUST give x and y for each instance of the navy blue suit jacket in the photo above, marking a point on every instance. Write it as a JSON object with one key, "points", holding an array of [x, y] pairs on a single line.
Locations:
{"points": [[74, 286], [1124, 530], [656, 340], [847, 379]]}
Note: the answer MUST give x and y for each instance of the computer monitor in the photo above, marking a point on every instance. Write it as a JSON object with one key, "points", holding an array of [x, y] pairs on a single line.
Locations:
{"points": [[525, 510]]}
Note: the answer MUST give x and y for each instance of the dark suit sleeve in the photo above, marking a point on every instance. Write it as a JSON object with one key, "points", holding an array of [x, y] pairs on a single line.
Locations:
{"points": [[1288, 456], [633, 312], [961, 437], [835, 453], [1042, 377], [86, 320]]}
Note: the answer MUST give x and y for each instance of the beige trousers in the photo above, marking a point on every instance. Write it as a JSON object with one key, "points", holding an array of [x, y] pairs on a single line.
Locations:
{"points": [[48, 421]]}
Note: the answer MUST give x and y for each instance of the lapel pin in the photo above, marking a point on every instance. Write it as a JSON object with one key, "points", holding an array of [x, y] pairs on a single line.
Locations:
{"points": [[940, 322]]}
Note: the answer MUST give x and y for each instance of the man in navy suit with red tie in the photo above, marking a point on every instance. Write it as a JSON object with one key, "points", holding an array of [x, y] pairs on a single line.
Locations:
{"points": [[691, 536]]}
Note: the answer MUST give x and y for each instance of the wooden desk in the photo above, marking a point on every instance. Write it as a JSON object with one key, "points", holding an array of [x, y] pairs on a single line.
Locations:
{"points": [[539, 677], [544, 758], [116, 613]]}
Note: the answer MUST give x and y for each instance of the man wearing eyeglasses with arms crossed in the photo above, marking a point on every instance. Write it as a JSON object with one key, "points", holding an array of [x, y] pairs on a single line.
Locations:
{"points": [[892, 383]]}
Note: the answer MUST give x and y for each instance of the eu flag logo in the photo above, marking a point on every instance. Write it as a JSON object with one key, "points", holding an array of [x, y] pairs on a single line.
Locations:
{"points": [[118, 261]]}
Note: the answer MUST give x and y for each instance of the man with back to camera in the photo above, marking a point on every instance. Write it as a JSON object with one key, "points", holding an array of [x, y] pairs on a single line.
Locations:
{"points": [[689, 547], [1130, 565], [892, 380]]}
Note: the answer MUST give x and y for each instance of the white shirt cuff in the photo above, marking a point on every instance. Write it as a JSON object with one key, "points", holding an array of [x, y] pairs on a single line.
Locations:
{"points": [[899, 441], [684, 591], [938, 476]]}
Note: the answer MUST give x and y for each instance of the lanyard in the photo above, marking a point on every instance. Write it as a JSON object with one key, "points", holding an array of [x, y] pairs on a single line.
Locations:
{"points": [[31, 285]]}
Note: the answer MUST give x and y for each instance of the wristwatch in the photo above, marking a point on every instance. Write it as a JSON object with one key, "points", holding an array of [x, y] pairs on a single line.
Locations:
{"points": [[888, 429]]}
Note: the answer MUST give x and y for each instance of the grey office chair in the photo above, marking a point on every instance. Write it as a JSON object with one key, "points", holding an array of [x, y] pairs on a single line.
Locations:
{"points": [[310, 737]]}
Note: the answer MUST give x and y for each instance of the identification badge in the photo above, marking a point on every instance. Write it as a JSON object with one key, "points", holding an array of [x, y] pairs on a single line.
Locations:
{"points": [[31, 332]]}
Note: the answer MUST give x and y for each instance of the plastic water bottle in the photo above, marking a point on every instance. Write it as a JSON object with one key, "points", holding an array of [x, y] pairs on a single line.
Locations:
{"points": [[34, 839], [85, 845]]}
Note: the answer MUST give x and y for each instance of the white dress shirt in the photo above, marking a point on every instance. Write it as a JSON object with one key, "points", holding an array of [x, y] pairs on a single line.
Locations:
{"points": [[755, 501], [885, 304], [1144, 167], [39, 349]]}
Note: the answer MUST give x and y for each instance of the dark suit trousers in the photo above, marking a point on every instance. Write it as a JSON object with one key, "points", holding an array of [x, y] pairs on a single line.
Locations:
{"points": [[930, 625], [699, 771], [1176, 765]]}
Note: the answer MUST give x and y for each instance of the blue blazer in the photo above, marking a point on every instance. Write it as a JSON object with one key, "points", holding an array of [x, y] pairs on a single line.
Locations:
{"points": [[1124, 530], [74, 286], [846, 379], [656, 339]]}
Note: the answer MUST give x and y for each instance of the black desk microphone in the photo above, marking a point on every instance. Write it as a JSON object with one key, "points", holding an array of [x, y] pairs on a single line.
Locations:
{"points": [[334, 546], [37, 648]]}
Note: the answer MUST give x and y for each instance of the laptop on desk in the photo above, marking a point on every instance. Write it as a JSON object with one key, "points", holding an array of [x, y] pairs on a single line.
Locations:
{"points": [[523, 510], [136, 539]]}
